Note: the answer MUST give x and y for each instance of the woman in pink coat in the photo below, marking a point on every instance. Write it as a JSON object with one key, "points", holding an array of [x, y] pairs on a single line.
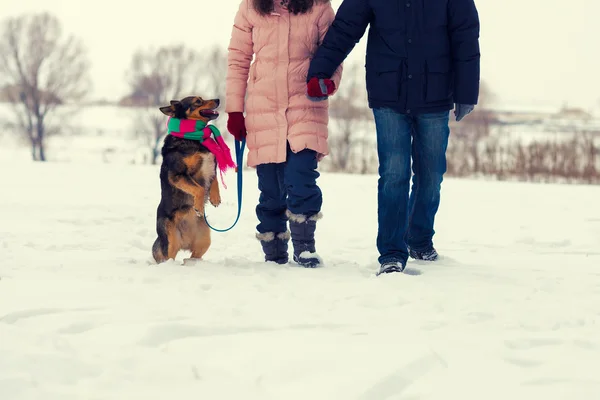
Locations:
{"points": [[286, 130]]}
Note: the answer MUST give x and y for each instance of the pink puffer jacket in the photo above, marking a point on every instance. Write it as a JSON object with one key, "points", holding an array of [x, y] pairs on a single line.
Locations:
{"points": [[273, 87]]}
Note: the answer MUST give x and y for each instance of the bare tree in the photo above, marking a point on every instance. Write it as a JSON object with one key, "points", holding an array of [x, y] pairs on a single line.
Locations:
{"points": [[213, 73], [213, 78], [40, 70], [155, 77], [348, 111]]}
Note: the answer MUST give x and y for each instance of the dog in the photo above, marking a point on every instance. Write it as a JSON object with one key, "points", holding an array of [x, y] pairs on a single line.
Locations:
{"points": [[188, 179]]}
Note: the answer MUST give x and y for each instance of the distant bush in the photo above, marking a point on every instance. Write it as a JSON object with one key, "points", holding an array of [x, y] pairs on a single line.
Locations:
{"points": [[570, 161]]}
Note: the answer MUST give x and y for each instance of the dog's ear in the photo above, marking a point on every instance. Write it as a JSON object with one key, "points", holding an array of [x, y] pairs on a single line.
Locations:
{"points": [[171, 110], [168, 111]]}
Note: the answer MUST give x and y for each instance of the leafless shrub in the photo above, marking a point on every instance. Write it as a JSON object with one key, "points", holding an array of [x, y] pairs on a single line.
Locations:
{"points": [[570, 161]]}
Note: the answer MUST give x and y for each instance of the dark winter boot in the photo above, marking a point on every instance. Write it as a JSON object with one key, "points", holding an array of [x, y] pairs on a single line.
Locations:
{"points": [[303, 239], [391, 266], [275, 246], [425, 255]]}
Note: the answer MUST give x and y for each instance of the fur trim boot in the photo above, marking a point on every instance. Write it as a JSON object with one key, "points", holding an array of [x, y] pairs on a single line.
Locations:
{"points": [[303, 239], [275, 246]]}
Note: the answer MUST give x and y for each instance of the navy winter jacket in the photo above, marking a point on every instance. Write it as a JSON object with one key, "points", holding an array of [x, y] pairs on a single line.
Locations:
{"points": [[422, 55]]}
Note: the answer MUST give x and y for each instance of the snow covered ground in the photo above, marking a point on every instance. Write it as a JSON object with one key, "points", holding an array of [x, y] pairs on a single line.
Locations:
{"points": [[512, 311]]}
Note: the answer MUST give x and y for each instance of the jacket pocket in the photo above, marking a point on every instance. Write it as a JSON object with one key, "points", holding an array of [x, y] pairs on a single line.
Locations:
{"points": [[438, 80], [383, 85]]}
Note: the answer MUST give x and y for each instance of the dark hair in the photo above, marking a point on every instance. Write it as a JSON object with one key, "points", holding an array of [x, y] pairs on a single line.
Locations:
{"points": [[265, 7]]}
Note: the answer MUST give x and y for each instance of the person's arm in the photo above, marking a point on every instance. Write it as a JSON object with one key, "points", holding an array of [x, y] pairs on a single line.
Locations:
{"points": [[345, 32], [239, 59], [463, 28], [324, 23]]}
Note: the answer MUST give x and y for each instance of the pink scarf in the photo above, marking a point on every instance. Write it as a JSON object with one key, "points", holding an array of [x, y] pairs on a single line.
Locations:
{"points": [[202, 132]]}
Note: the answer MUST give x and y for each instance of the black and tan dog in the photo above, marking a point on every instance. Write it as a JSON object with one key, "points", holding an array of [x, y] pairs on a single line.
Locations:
{"points": [[188, 180]]}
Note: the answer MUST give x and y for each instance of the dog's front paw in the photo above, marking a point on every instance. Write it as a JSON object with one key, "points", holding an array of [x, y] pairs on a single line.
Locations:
{"points": [[199, 212], [215, 200]]}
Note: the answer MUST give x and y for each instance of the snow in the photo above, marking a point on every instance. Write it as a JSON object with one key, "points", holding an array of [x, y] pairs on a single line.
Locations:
{"points": [[511, 311]]}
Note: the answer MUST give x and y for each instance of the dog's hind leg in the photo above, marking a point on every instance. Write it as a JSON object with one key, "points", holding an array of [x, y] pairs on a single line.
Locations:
{"points": [[202, 240], [167, 244]]}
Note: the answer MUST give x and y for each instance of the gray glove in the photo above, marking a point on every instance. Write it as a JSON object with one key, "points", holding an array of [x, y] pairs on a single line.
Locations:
{"points": [[462, 110]]}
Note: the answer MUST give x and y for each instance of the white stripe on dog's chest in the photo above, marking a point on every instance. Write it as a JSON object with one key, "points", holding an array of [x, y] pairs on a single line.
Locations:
{"points": [[208, 168]]}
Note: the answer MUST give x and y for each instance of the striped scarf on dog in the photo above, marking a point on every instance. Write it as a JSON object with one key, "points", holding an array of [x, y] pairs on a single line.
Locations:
{"points": [[208, 135]]}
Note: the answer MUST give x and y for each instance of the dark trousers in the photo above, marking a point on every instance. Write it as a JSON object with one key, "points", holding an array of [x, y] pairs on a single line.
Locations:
{"points": [[408, 219], [292, 186]]}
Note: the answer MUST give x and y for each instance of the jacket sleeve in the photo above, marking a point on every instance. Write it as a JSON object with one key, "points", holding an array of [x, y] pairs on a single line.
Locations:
{"points": [[463, 28], [347, 29], [324, 23], [240, 52]]}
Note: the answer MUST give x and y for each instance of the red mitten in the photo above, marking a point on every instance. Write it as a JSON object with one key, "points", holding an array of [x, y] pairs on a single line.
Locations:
{"points": [[319, 89], [236, 125], [330, 86]]}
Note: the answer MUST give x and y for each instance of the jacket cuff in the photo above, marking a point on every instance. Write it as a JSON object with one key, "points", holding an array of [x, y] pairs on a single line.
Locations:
{"points": [[234, 105]]}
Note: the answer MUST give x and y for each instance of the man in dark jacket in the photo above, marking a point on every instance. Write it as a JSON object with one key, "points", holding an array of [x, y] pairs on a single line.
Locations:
{"points": [[422, 61]]}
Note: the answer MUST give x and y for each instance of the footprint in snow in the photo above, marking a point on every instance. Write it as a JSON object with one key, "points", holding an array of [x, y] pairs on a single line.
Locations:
{"points": [[77, 327], [523, 362], [527, 344], [16, 316]]}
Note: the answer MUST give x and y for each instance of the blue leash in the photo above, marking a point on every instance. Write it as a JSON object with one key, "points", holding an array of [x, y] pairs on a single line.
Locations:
{"points": [[239, 155]]}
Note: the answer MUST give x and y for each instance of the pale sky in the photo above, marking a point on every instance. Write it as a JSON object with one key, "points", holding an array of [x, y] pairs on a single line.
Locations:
{"points": [[534, 52]]}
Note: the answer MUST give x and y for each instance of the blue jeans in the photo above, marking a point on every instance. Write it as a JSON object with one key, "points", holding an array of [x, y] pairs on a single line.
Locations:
{"points": [[291, 185], [408, 220]]}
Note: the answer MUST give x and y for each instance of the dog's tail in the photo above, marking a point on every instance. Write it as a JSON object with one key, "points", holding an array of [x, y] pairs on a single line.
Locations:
{"points": [[160, 248]]}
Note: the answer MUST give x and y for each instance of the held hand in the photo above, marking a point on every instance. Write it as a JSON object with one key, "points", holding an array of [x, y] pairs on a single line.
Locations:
{"points": [[236, 125], [319, 89], [462, 110]]}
